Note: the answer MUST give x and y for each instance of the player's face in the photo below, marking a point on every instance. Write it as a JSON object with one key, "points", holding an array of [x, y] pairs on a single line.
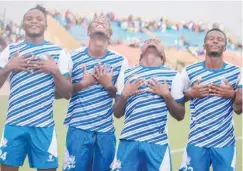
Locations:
{"points": [[100, 27], [34, 23], [215, 43], [152, 54], [99, 40]]}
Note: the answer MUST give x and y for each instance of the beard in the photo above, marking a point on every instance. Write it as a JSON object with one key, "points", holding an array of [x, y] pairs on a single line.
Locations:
{"points": [[35, 35], [215, 54]]}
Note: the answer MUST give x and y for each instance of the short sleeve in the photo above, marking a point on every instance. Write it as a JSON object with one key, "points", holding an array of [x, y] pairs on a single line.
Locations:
{"points": [[65, 63], [121, 78], [180, 84], [4, 57], [240, 80]]}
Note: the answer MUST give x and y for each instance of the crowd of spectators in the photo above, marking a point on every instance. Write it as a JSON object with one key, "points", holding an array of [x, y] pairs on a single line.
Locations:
{"points": [[9, 33]]}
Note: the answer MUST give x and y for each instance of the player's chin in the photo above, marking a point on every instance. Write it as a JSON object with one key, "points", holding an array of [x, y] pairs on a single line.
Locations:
{"points": [[35, 34], [215, 53]]}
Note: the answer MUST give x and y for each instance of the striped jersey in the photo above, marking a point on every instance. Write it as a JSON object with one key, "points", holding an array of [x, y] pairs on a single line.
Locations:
{"points": [[146, 113], [211, 116], [32, 95], [91, 108]]}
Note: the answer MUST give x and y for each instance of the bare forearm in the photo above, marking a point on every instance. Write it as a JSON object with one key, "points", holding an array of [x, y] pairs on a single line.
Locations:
{"points": [[187, 96], [4, 73], [78, 87], [119, 106], [112, 91], [238, 102], [176, 110], [63, 86]]}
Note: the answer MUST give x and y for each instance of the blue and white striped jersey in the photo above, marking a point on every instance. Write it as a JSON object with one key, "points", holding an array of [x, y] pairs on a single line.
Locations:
{"points": [[146, 113], [32, 95], [211, 117], [91, 108]]}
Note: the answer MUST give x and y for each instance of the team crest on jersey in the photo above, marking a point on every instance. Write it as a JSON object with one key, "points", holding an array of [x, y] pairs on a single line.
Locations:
{"points": [[4, 143], [115, 165]]}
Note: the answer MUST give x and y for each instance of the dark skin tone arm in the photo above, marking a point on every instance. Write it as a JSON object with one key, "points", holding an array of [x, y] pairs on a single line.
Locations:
{"points": [[105, 79], [177, 110], [15, 64], [130, 89], [63, 86], [238, 102]]}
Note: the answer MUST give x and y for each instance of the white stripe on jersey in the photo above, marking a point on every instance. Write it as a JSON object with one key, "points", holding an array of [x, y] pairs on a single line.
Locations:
{"points": [[146, 113], [31, 95], [211, 117], [91, 108]]}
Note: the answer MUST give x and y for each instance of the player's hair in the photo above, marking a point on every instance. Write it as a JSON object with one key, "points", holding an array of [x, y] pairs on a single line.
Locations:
{"points": [[216, 29], [39, 8]]}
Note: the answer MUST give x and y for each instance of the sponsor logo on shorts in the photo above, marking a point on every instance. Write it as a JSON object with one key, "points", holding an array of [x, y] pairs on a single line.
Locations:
{"points": [[51, 159]]}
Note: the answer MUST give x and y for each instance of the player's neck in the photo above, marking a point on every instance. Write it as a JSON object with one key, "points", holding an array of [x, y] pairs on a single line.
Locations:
{"points": [[34, 40], [150, 63], [96, 52], [212, 62]]}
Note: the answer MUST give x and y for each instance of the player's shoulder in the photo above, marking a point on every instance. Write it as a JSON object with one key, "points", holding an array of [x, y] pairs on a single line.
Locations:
{"points": [[49, 44], [169, 69], [132, 69], [232, 66], [115, 55], [16, 44], [194, 65], [78, 53]]}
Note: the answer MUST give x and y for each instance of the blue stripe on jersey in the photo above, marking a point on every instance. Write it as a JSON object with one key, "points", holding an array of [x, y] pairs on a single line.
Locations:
{"points": [[211, 117], [91, 108], [146, 113], [32, 95]]}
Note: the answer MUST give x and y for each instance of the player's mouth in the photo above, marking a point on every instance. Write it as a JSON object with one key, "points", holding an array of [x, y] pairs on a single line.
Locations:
{"points": [[34, 27], [215, 47]]}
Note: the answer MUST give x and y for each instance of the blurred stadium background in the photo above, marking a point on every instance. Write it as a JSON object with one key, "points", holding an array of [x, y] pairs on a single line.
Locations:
{"points": [[183, 42]]}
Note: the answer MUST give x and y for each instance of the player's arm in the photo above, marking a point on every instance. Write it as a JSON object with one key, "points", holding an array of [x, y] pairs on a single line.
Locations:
{"points": [[62, 79], [4, 68], [175, 107], [63, 87], [238, 97], [195, 91], [238, 101], [130, 89], [57, 94], [16, 63], [87, 80], [121, 98], [104, 77]]}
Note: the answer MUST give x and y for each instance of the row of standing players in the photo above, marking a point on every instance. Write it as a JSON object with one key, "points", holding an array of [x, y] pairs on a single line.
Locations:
{"points": [[92, 77]]}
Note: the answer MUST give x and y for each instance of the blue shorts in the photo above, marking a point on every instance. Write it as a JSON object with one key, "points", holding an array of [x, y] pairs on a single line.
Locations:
{"points": [[142, 156], [200, 159], [39, 143], [88, 151]]}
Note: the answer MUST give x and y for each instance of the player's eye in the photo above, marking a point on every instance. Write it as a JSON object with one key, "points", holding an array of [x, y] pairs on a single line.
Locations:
{"points": [[39, 18], [220, 39]]}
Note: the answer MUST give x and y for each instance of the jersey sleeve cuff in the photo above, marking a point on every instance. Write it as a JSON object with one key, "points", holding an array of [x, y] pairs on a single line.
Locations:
{"points": [[66, 74], [239, 86], [180, 100]]}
